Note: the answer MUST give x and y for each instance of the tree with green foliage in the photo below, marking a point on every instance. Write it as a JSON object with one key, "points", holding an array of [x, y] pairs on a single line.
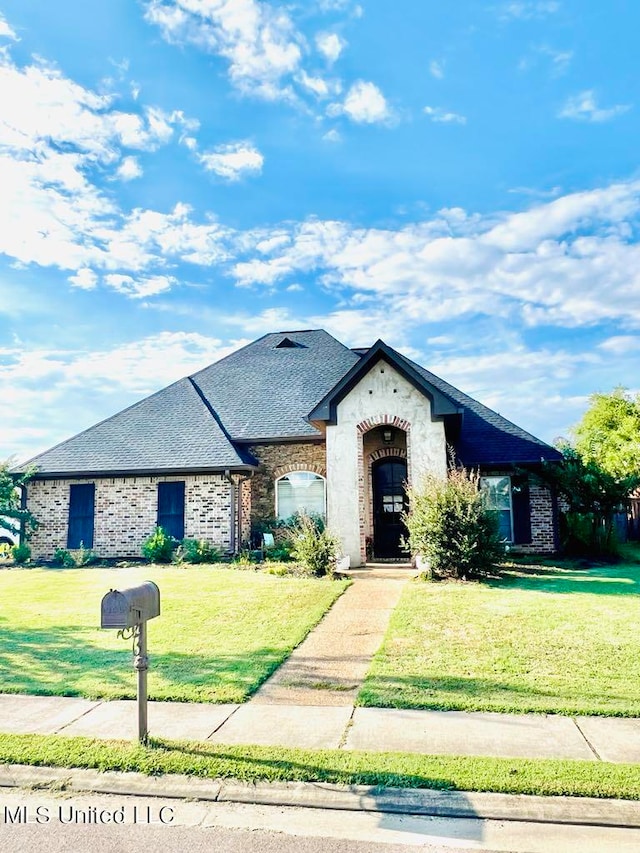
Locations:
{"points": [[592, 496], [608, 434], [12, 516]]}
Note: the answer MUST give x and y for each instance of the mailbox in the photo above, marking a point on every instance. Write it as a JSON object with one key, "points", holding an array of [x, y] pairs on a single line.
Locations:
{"points": [[129, 607]]}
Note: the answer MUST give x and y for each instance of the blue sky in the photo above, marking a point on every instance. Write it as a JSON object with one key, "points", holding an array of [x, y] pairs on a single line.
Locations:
{"points": [[179, 177]]}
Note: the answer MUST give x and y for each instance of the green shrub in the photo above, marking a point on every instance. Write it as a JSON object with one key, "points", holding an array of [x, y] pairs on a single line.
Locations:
{"points": [[63, 557], [85, 556], [313, 547], [196, 551], [584, 534], [21, 553], [450, 526], [244, 560], [280, 553], [159, 547]]}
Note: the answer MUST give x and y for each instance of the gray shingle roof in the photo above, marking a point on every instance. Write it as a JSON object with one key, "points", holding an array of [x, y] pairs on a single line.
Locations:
{"points": [[266, 391], [486, 438], [172, 430], [262, 391]]}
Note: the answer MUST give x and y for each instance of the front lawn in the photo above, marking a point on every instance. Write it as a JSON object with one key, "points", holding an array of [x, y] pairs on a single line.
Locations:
{"points": [[220, 634], [538, 638]]}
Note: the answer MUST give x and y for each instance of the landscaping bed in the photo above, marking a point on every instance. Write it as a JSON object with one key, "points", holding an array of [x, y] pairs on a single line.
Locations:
{"points": [[534, 639], [220, 634]]}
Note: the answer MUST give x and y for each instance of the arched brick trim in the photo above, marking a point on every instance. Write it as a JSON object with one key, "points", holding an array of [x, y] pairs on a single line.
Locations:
{"points": [[386, 451], [378, 420], [363, 427], [299, 466]]}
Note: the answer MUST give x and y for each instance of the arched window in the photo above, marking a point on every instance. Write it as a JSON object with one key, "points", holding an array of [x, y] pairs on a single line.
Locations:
{"points": [[300, 491]]}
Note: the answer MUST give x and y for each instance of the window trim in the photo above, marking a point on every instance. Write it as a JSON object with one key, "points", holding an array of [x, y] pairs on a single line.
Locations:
{"points": [[305, 471], [511, 539]]}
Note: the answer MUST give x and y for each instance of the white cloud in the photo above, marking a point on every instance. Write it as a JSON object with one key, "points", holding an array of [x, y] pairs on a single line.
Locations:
{"points": [[268, 56], [621, 344], [436, 69], [57, 139], [233, 161], [320, 87], [129, 169], [549, 264], [330, 45], [525, 10], [6, 31], [84, 279], [364, 104], [259, 42], [438, 114], [560, 59], [332, 135], [139, 287], [584, 107]]}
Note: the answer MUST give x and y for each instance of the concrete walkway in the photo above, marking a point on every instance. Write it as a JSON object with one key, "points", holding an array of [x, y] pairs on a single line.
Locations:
{"points": [[612, 739], [328, 668]]}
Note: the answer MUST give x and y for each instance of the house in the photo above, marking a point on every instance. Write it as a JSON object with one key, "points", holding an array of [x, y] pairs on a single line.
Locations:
{"points": [[293, 420]]}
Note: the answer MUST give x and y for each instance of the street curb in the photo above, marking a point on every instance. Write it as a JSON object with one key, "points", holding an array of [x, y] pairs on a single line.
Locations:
{"points": [[321, 795]]}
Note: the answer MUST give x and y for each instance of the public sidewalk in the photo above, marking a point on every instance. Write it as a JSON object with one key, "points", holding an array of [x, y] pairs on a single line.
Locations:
{"points": [[612, 739]]}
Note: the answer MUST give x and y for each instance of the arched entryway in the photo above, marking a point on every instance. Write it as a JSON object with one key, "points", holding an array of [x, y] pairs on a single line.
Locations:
{"points": [[389, 478]]}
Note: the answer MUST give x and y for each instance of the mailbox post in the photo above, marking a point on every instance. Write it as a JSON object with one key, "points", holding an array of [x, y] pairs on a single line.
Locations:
{"points": [[128, 611]]}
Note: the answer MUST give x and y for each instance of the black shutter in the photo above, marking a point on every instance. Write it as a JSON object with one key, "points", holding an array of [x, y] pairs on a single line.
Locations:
{"points": [[81, 515], [521, 511], [171, 508]]}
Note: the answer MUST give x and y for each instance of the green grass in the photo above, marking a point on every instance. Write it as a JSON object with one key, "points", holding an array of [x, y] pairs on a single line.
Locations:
{"points": [[220, 634], [253, 763], [538, 638]]}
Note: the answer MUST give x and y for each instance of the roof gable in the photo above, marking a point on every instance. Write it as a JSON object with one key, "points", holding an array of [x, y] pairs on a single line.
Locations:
{"points": [[441, 404]]}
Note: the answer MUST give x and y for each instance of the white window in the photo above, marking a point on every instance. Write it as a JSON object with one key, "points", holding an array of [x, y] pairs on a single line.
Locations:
{"points": [[300, 491], [498, 497]]}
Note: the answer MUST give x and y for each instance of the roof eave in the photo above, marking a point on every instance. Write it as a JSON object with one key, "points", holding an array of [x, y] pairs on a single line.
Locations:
{"points": [[281, 439], [141, 472]]}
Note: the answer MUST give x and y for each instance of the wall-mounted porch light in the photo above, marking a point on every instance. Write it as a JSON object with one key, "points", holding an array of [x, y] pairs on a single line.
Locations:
{"points": [[387, 436]]}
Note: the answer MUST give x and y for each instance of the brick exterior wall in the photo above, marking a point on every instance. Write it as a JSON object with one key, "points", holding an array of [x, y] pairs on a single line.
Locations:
{"points": [[126, 512], [544, 522], [126, 507], [245, 517], [276, 460]]}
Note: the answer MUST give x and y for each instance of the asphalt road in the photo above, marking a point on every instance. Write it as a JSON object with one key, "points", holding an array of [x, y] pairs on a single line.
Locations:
{"points": [[98, 823]]}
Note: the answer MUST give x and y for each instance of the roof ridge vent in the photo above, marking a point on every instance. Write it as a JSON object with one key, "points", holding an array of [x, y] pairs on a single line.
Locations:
{"points": [[288, 343]]}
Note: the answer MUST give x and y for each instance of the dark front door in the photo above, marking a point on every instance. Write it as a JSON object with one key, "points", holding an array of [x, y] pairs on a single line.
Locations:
{"points": [[389, 502]]}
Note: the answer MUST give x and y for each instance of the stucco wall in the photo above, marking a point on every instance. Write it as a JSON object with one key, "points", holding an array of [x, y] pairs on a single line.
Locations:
{"points": [[126, 513], [382, 396]]}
